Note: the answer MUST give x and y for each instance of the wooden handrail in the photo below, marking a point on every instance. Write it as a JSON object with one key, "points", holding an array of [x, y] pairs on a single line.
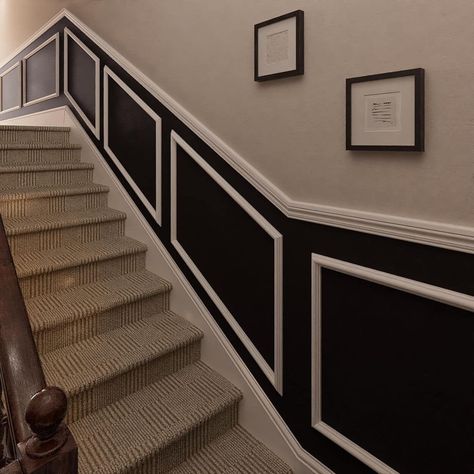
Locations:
{"points": [[35, 412], [22, 374], [12, 468]]}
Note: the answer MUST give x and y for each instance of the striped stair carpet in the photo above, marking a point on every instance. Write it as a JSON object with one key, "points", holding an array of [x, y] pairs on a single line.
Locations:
{"points": [[140, 399]]}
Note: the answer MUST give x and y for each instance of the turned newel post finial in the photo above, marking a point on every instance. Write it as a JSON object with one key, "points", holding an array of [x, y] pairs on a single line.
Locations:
{"points": [[44, 415]]}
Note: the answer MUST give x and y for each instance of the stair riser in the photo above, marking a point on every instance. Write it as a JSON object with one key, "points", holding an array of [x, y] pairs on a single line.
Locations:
{"points": [[34, 136], [183, 448], [110, 391], [55, 238], [49, 282], [58, 337], [53, 204], [45, 178], [35, 156]]}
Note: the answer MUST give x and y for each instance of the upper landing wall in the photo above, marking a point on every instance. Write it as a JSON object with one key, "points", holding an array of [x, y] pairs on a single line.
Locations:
{"points": [[292, 130]]}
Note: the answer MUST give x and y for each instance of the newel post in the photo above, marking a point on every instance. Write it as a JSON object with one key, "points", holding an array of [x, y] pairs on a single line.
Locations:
{"points": [[45, 414], [51, 448]]}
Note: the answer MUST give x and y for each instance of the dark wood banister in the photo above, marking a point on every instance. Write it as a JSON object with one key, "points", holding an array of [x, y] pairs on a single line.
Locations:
{"points": [[35, 412], [12, 468]]}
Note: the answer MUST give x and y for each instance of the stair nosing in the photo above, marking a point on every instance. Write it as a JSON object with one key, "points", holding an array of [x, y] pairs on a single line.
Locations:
{"points": [[233, 398], [164, 287], [44, 167], [212, 453], [194, 334], [39, 146], [135, 247], [15, 194], [22, 228], [34, 128]]}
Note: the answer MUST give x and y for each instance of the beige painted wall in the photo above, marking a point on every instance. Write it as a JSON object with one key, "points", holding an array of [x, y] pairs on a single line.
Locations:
{"points": [[292, 130]]}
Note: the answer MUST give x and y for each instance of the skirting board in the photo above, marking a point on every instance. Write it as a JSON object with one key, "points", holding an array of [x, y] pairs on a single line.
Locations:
{"points": [[257, 414], [438, 234]]}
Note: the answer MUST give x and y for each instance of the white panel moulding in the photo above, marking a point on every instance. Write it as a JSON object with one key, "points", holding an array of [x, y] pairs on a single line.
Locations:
{"points": [[154, 211], [10, 69], [438, 234], [441, 295], [276, 375], [54, 38], [70, 36]]}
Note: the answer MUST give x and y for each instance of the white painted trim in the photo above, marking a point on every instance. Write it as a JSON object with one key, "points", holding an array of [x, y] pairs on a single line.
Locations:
{"points": [[16, 107], [155, 212], [44, 114], [95, 128], [438, 234], [54, 38], [352, 448], [424, 290], [49, 24], [435, 293], [276, 375]]}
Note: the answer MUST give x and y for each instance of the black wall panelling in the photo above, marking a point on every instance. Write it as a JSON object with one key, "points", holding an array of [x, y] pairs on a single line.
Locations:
{"points": [[133, 138], [41, 72], [396, 374], [233, 252], [397, 368], [10, 88], [82, 79]]}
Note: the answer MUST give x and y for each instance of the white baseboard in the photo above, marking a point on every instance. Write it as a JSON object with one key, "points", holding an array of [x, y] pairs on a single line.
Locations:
{"points": [[48, 118], [257, 414]]}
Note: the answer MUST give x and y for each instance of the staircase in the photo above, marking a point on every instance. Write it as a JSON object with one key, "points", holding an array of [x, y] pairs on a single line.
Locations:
{"points": [[140, 399]]}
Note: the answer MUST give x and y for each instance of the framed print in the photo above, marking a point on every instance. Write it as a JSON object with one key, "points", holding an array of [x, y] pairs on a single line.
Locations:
{"points": [[279, 47], [385, 112]]}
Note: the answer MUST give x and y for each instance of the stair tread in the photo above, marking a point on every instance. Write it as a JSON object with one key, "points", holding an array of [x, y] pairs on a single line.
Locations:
{"points": [[126, 433], [234, 452], [35, 127], [43, 261], [81, 301], [121, 336], [24, 225], [14, 194], [39, 146], [80, 366], [16, 168]]}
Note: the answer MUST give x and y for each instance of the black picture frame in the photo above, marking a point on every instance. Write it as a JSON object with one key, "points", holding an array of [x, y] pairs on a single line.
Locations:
{"points": [[419, 111], [299, 69]]}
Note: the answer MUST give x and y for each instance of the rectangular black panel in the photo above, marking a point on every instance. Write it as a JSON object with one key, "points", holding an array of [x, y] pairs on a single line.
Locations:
{"points": [[398, 375], [81, 78], [11, 89], [232, 251], [41, 73], [132, 138]]}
